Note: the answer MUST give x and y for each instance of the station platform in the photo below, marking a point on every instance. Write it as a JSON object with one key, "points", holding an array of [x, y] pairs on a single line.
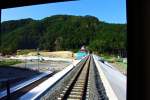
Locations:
{"points": [[113, 80]]}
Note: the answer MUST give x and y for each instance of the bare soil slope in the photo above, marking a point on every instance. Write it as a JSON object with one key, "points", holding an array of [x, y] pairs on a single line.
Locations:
{"points": [[59, 54]]}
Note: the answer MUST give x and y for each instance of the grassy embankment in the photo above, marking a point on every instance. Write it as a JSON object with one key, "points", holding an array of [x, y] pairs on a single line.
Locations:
{"points": [[119, 63], [9, 62]]}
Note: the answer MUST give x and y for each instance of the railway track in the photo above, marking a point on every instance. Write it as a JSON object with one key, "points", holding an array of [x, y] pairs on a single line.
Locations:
{"points": [[15, 95], [85, 85], [76, 89]]}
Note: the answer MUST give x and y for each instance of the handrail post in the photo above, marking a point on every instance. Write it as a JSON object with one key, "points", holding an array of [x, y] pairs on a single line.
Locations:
{"points": [[8, 89]]}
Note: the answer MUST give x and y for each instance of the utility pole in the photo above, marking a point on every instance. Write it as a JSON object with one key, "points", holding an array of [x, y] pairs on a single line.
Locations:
{"points": [[25, 62], [38, 57]]}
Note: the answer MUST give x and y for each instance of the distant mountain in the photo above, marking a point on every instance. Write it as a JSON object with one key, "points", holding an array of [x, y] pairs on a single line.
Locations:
{"points": [[62, 32]]}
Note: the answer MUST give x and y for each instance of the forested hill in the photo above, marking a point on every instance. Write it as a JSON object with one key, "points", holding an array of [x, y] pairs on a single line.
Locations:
{"points": [[62, 32]]}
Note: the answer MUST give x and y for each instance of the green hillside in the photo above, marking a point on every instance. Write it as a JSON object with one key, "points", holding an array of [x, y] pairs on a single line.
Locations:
{"points": [[63, 32]]}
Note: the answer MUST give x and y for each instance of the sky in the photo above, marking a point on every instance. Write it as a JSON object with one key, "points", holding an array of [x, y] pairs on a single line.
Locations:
{"points": [[111, 11]]}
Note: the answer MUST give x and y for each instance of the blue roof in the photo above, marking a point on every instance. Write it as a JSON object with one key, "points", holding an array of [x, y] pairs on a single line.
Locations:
{"points": [[80, 54]]}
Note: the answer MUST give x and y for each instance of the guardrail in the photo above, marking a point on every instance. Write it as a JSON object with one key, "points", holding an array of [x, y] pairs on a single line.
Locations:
{"points": [[22, 85]]}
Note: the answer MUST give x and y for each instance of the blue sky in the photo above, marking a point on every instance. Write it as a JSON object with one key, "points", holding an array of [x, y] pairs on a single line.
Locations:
{"points": [[111, 11]]}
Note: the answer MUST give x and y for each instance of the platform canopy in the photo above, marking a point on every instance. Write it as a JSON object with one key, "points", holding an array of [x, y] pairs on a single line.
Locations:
{"points": [[18, 3]]}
